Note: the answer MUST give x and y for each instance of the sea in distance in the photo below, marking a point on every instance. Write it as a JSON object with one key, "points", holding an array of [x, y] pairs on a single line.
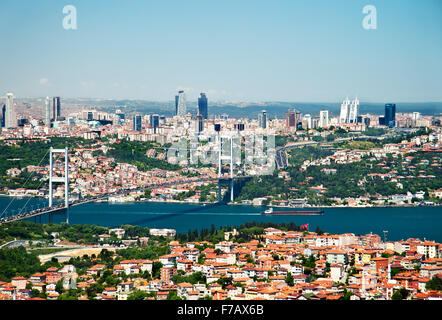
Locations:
{"points": [[400, 222]]}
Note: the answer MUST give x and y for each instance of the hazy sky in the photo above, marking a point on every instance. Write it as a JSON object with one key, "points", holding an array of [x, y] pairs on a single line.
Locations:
{"points": [[290, 50]]}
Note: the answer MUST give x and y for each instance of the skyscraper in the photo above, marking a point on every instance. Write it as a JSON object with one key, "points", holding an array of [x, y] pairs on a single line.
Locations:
{"points": [[177, 98], [48, 111], [3, 115], [416, 115], [308, 120], [353, 112], [150, 120], [155, 122], [262, 119], [120, 114], [199, 125], [323, 118], [136, 123], [382, 121], [290, 119], [239, 126], [390, 114], [345, 106], [56, 108], [349, 111], [202, 106], [180, 104], [10, 116]]}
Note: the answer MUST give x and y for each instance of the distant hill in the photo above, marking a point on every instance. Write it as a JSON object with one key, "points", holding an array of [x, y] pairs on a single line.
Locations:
{"points": [[278, 109], [251, 109]]}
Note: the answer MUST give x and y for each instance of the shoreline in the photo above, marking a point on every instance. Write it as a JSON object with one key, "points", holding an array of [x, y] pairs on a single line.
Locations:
{"points": [[243, 204], [267, 206]]}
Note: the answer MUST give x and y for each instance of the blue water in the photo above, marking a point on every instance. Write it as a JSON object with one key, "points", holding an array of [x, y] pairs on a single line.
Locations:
{"points": [[401, 223]]}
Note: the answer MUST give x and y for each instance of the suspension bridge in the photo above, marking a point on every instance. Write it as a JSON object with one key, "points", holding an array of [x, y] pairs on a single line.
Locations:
{"points": [[26, 213]]}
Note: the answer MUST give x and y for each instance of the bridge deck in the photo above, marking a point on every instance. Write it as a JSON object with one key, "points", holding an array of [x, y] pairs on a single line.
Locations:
{"points": [[53, 209]]}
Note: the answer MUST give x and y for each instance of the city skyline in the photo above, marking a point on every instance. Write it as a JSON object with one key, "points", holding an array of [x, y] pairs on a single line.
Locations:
{"points": [[303, 52]]}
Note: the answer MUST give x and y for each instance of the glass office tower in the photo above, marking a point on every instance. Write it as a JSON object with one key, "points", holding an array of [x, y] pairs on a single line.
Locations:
{"points": [[390, 114], [202, 106]]}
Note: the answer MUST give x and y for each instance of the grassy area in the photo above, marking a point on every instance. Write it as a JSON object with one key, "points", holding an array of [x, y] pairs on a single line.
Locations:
{"points": [[359, 145]]}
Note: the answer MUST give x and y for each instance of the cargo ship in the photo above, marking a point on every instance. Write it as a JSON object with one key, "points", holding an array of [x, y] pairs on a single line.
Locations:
{"points": [[294, 213]]}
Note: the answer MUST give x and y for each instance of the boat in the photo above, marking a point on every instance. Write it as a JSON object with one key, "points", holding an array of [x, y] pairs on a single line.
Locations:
{"points": [[270, 211]]}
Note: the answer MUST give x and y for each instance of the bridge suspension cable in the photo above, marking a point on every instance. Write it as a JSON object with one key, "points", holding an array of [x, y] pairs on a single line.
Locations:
{"points": [[30, 175], [24, 206]]}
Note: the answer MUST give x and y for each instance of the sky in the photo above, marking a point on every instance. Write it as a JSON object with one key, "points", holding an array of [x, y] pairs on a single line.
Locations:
{"points": [[234, 50]]}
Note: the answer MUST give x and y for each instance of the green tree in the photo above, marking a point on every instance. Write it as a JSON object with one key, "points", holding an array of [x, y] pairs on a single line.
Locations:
{"points": [[147, 193], [224, 282], [397, 296], [347, 295], [70, 295], [434, 284], [137, 295], [173, 295], [289, 280], [59, 286], [156, 269]]}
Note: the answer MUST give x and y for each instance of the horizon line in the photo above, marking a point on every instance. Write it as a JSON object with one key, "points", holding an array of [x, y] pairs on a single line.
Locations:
{"points": [[223, 101]]}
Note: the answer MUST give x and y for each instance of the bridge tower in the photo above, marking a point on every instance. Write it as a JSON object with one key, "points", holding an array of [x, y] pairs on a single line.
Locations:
{"points": [[222, 157], [64, 179]]}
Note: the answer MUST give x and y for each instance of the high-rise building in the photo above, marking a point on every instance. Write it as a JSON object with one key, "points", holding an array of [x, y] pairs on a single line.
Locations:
{"points": [[150, 117], [56, 108], [416, 115], [177, 98], [202, 106], [349, 111], [390, 114], [180, 104], [291, 118], [48, 111], [136, 123], [70, 121], [345, 106], [353, 112], [120, 114], [199, 124], [262, 119], [308, 120], [239, 126], [3, 115], [366, 121], [155, 122], [382, 121], [10, 116], [323, 118]]}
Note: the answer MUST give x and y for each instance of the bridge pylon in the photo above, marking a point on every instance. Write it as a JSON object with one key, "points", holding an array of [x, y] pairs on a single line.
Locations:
{"points": [[228, 157], [64, 179]]}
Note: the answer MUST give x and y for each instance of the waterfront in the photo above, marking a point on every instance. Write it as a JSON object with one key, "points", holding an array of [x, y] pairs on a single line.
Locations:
{"points": [[400, 222]]}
